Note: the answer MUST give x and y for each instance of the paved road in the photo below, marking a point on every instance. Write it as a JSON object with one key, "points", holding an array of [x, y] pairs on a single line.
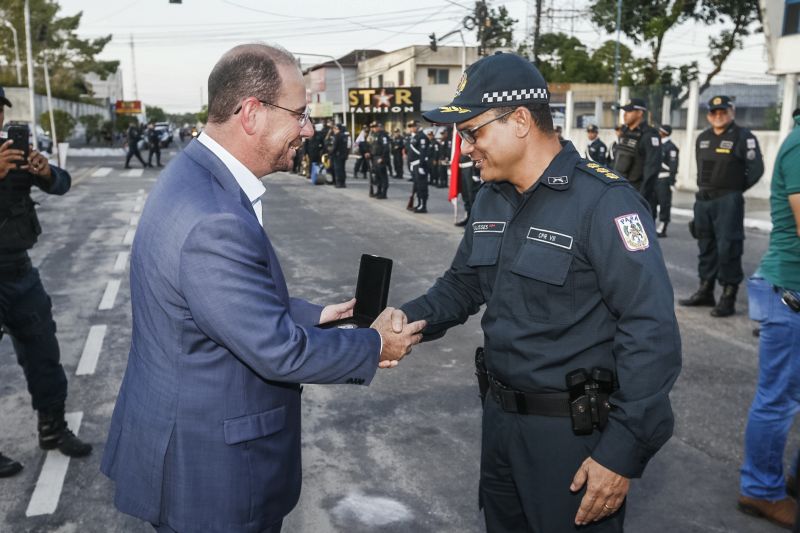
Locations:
{"points": [[398, 456]]}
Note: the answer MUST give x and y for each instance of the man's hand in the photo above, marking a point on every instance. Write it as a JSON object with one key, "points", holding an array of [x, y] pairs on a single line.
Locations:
{"points": [[9, 157], [38, 165], [605, 491], [398, 336], [337, 311]]}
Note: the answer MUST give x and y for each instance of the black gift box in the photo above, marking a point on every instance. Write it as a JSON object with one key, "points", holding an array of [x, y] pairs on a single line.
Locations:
{"points": [[372, 293]]}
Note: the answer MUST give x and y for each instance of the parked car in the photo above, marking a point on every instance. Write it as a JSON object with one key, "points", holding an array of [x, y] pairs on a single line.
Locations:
{"points": [[42, 137], [165, 134]]}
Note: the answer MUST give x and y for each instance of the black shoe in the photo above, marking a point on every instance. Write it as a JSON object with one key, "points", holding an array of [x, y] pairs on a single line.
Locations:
{"points": [[791, 486], [9, 467], [704, 297], [461, 223], [372, 195], [54, 434], [726, 305], [662, 229], [127, 166], [421, 209]]}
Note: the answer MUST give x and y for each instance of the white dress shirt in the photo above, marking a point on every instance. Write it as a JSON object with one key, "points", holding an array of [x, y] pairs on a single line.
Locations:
{"points": [[250, 184]]}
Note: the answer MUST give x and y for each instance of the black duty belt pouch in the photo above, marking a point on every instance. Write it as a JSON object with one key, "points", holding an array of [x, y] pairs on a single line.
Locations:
{"points": [[588, 399], [372, 293], [528, 403]]}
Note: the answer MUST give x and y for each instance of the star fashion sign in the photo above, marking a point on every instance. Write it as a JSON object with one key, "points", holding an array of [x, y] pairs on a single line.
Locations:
{"points": [[385, 100]]}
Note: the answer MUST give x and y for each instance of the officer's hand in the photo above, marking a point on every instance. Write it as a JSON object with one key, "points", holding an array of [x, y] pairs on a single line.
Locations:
{"points": [[37, 164], [396, 345], [605, 491], [337, 311], [9, 157]]}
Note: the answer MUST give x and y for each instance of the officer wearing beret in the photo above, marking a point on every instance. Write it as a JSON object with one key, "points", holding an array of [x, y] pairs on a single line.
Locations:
{"points": [[595, 150], [25, 309], [729, 162], [661, 201], [638, 154], [563, 254]]}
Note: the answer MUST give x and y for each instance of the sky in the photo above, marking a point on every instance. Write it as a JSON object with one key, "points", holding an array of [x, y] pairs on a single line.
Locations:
{"points": [[176, 45]]}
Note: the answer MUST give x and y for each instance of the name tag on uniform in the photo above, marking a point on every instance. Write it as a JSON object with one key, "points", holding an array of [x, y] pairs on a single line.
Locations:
{"points": [[557, 180], [704, 144], [751, 143], [550, 237], [726, 144], [488, 227]]}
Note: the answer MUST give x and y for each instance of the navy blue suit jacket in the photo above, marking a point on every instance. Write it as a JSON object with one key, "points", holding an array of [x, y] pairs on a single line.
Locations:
{"points": [[205, 435]]}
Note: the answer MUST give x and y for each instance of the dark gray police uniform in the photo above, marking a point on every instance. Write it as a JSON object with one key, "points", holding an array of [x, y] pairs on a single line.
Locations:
{"points": [[572, 277], [638, 153]]}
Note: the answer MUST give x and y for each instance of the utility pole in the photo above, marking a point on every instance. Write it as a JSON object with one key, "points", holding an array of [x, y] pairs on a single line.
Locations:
{"points": [[16, 49], [133, 70], [616, 52], [28, 48], [537, 31]]}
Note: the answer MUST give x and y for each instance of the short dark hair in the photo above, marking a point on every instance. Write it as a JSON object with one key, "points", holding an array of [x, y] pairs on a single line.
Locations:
{"points": [[540, 113], [245, 70]]}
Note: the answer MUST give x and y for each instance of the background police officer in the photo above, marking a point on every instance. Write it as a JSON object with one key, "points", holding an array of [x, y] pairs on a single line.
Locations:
{"points": [[339, 155], [729, 162], [595, 150], [417, 164], [470, 184], [134, 135], [153, 143], [638, 154], [398, 144], [25, 309], [563, 254], [380, 153], [661, 201]]}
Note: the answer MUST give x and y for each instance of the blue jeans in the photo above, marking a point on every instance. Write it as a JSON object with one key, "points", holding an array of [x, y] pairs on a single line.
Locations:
{"points": [[777, 397], [315, 172]]}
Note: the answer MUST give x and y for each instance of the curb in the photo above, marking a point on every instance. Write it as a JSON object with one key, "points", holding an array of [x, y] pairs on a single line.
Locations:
{"points": [[751, 223]]}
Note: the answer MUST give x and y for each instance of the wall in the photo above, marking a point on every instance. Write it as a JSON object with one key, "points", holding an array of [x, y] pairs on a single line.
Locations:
{"points": [[20, 109]]}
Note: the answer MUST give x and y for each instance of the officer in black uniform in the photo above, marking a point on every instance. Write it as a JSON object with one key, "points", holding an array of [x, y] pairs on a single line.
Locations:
{"points": [[134, 135], [612, 151], [339, 155], [25, 308], [432, 163], [154, 144], [445, 151], [380, 153], [417, 164], [578, 301], [596, 149], [729, 162], [638, 156], [398, 144], [470, 184], [661, 202]]}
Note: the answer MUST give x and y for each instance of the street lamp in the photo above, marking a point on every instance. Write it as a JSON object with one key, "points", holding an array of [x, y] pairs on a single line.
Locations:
{"points": [[11, 27]]}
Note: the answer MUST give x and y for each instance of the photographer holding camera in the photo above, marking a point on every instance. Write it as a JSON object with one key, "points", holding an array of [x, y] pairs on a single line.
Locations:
{"points": [[774, 294], [25, 308]]}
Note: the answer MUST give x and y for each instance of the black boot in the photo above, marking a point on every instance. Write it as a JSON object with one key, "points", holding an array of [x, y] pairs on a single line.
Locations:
{"points": [[726, 305], [54, 433], [704, 297], [662, 229], [9, 467], [423, 207]]}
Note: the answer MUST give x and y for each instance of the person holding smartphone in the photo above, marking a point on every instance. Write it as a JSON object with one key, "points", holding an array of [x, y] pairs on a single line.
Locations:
{"points": [[25, 308]]}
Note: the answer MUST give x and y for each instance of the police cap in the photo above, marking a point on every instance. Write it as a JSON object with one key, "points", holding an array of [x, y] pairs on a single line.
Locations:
{"points": [[411, 123], [3, 100], [373, 124], [592, 128], [666, 129], [499, 80], [719, 102], [634, 104]]}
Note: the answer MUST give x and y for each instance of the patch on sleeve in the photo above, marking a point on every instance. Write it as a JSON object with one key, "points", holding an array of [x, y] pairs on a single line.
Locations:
{"points": [[751, 143], [655, 141], [634, 237]]}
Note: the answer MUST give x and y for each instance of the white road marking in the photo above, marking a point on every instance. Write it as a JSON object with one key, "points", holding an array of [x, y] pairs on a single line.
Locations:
{"points": [[101, 172], [133, 173], [371, 511], [121, 262], [751, 223], [110, 295], [135, 220], [140, 191], [47, 492], [91, 350], [128, 239]]}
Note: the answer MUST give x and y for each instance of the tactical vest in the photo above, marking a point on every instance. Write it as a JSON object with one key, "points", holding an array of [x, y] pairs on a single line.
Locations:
{"points": [[628, 163], [19, 225], [717, 166]]}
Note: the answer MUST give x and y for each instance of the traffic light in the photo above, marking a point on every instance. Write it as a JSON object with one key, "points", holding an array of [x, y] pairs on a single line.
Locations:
{"points": [[434, 46]]}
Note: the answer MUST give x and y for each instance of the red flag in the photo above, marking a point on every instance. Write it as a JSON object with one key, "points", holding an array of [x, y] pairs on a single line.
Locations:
{"points": [[455, 156]]}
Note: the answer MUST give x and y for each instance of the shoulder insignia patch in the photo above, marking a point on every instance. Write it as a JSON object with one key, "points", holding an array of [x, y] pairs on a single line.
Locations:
{"points": [[751, 143], [632, 232], [598, 170], [655, 141]]}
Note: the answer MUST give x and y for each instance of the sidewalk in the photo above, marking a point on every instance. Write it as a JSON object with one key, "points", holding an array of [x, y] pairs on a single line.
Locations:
{"points": [[756, 210]]}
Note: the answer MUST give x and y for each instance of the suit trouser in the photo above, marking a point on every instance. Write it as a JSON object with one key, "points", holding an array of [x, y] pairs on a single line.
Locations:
{"points": [[26, 313], [134, 151], [527, 466], [661, 201], [163, 528], [719, 224]]}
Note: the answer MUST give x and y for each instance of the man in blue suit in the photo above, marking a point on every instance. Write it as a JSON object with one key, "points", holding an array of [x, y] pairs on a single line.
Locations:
{"points": [[205, 435]]}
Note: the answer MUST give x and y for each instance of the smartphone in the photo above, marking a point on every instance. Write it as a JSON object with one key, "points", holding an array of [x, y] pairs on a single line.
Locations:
{"points": [[20, 135]]}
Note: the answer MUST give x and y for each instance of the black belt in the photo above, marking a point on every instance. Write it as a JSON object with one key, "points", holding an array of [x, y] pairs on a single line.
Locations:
{"points": [[529, 403], [713, 194]]}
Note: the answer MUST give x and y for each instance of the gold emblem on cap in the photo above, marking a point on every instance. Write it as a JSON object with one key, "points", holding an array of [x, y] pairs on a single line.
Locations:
{"points": [[717, 101], [461, 84], [453, 109]]}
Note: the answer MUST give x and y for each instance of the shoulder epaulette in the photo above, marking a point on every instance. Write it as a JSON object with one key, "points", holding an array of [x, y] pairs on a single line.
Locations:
{"points": [[600, 172]]}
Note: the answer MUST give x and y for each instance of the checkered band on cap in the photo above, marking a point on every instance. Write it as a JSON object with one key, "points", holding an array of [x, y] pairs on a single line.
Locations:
{"points": [[515, 95]]}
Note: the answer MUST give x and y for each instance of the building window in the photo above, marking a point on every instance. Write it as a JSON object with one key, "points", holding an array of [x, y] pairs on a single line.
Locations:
{"points": [[380, 80], [401, 78], [791, 18], [438, 76]]}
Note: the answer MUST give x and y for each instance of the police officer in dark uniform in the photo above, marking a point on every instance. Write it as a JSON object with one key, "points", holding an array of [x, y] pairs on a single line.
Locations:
{"points": [[25, 308], [432, 163], [612, 150], [661, 202], [470, 184], [578, 301], [729, 162], [398, 144], [339, 155], [638, 157], [380, 153], [134, 135], [445, 151], [596, 149], [154, 144], [417, 164]]}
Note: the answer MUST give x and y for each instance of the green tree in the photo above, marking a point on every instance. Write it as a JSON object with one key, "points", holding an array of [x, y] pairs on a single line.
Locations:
{"points": [[93, 125], [65, 123], [69, 57], [202, 115], [494, 27], [156, 114]]}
